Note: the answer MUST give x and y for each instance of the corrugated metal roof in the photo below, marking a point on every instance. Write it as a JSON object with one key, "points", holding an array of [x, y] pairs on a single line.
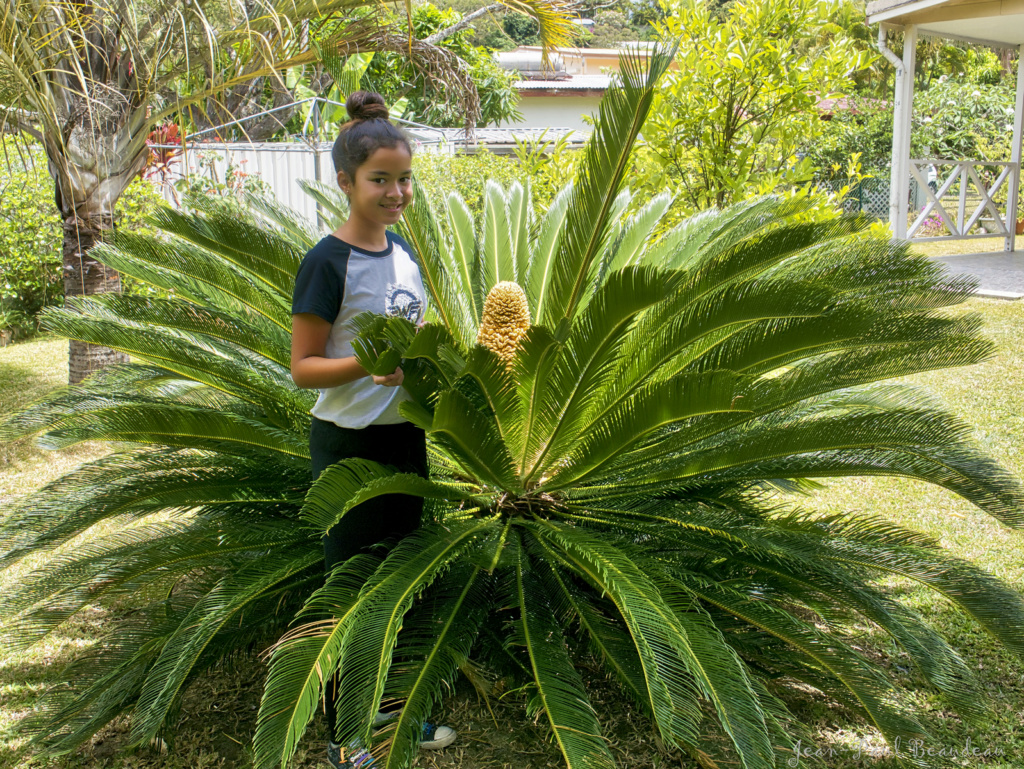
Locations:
{"points": [[574, 83], [498, 135]]}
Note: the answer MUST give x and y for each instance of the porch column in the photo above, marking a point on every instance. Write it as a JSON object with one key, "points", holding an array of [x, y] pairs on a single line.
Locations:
{"points": [[899, 185], [1015, 153]]}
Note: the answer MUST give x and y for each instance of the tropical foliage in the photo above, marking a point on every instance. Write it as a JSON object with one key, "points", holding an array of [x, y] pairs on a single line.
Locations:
{"points": [[617, 485], [427, 101], [30, 231], [743, 103]]}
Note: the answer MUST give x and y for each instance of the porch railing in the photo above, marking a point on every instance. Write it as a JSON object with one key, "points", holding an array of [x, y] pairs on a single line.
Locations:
{"points": [[970, 197]]}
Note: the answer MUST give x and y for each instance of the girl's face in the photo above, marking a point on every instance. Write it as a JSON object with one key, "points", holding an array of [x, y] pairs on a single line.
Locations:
{"points": [[382, 187]]}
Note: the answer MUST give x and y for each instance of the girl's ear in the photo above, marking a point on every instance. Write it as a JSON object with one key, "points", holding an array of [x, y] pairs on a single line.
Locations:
{"points": [[344, 182]]}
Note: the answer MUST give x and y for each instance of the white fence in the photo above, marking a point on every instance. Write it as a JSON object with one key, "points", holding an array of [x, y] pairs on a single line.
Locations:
{"points": [[964, 199], [279, 165]]}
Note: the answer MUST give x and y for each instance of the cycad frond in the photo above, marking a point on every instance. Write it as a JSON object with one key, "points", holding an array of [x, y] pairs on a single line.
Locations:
{"points": [[195, 274], [540, 270], [657, 633], [333, 204], [454, 310], [622, 114], [559, 692], [371, 628], [464, 254], [303, 660], [577, 373], [436, 639], [865, 681], [238, 240], [497, 243], [351, 482], [233, 595]]}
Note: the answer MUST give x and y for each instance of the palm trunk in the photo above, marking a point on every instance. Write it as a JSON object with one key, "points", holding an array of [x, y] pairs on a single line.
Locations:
{"points": [[85, 276]]}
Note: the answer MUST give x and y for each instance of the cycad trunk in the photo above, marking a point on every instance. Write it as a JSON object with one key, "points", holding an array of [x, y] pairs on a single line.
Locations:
{"points": [[102, 151], [85, 276]]}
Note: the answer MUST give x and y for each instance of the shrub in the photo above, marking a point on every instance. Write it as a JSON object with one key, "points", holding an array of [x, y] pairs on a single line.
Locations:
{"points": [[439, 174], [31, 237]]}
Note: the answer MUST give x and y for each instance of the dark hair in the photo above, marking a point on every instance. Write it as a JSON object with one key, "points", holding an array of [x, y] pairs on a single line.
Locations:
{"points": [[367, 130]]}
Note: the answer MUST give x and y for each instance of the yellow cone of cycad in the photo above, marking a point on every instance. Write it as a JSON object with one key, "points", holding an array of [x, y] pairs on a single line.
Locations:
{"points": [[506, 319]]}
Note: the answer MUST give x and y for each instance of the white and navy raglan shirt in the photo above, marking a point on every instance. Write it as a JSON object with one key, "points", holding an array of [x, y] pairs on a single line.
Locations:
{"points": [[337, 281]]}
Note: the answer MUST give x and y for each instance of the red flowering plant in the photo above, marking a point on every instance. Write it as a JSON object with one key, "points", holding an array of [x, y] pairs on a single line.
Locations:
{"points": [[165, 146]]}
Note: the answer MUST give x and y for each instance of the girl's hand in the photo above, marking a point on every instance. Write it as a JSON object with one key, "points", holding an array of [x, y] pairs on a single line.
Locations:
{"points": [[390, 380]]}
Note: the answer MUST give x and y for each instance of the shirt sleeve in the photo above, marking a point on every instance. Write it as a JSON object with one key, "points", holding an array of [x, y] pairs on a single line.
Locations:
{"points": [[318, 288]]}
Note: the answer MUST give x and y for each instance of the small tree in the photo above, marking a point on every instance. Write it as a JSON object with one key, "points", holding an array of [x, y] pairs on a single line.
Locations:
{"points": [[744, 99]]}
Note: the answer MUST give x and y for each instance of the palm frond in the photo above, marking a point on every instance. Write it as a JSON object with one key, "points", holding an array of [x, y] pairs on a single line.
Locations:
{"points": [[229, 598], [465, 257], [497, 245], [349, 483], [657, 633], [332, 205], [302, 662], [622, 114], [454, 310], [377, 616], [559, 692], [544, 250], [435, 642]]}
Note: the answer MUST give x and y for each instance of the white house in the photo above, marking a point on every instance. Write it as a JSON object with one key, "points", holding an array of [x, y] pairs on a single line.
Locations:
{"points": [[569, 88]]}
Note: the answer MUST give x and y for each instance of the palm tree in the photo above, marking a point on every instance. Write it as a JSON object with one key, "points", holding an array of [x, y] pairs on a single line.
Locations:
{"points": [[89, 81], [616, 481]]}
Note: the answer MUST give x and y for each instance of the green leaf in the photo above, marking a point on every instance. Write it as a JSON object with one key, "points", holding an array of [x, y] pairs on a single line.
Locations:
{"points": [[622, 114], [559, 688], [350, 482]]}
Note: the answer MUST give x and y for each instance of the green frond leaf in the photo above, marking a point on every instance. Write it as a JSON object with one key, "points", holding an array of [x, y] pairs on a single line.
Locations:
{"points": [[349, 483], [622, 114], [558, 686]]}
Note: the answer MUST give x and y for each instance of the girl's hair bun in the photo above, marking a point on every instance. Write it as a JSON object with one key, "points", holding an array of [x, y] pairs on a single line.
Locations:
{"points": [[366, 105]]}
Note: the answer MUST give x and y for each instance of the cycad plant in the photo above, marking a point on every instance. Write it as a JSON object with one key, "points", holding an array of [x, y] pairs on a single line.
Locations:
{"points": [[618, 421]]}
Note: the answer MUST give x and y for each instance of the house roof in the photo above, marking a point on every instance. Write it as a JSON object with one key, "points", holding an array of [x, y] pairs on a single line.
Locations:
{"points": [[995, 22], [577, 85], [496, 138], [642, 47]]}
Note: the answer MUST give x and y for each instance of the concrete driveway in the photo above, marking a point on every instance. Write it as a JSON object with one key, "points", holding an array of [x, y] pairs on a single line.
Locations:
{"points": [[1000, 275]]}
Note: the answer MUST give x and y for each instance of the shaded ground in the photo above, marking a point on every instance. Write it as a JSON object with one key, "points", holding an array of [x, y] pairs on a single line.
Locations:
{"points": [[995, 272]]}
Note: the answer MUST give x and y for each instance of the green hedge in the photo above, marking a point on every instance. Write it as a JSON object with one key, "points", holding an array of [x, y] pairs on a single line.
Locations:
{"points": [[31, 237]]}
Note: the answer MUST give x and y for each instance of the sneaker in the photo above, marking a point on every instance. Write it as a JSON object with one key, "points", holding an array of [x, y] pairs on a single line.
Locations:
{"points": [[353, 758], [436, 737], [384, 718], [432, 738]]}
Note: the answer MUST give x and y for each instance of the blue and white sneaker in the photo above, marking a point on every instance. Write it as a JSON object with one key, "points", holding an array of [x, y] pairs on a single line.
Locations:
{"points": [[383, 718], [350, 758], [436, 737], [432, 738]]}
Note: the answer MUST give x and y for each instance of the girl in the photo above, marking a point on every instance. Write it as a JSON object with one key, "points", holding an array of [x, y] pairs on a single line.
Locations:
{"points": [[361, 266]]}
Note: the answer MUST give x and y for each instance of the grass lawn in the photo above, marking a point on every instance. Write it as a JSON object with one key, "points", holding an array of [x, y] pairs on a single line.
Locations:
{"points": [[218, 715], [956, 247]]}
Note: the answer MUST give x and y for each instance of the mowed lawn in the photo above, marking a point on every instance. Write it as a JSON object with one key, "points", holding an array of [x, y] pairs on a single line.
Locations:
{"points": [[218, 715]]}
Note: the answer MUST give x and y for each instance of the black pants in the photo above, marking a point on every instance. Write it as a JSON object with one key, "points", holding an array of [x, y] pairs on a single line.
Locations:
{"points": [[389, 517]]}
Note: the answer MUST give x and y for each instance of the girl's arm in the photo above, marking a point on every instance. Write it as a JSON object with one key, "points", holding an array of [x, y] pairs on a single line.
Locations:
{"points": [[310, 367]]}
